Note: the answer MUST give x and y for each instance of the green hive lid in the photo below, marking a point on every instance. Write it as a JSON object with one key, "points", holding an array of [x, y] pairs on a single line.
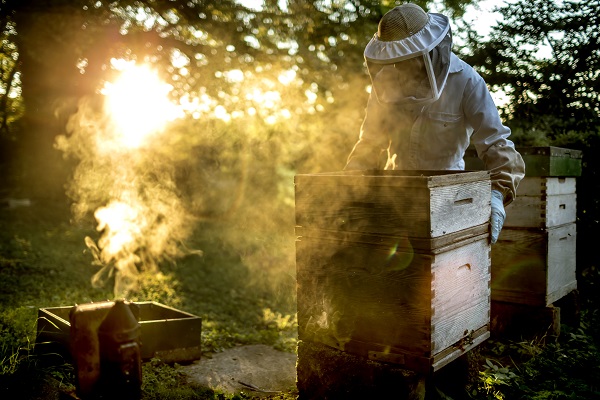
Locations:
{"points": [[551, 151]]}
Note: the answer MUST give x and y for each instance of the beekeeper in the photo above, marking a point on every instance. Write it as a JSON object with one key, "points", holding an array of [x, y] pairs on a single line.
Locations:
{"points": [[426, 106]]}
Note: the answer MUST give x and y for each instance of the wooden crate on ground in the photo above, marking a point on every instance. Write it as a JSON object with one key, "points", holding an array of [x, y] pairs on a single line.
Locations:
{"points": [[534, 266], [167, 333], [391, 267]]}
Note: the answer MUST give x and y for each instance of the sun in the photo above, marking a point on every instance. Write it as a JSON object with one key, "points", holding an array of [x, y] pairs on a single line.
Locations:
{"points": [[138, 103]]}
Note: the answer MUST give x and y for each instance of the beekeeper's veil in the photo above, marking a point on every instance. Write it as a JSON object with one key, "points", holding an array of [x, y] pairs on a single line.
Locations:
{"points": [[409, 56]]}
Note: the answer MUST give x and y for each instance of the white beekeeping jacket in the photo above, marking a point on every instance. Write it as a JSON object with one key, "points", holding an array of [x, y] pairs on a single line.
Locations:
{"points": [[436, 136]]}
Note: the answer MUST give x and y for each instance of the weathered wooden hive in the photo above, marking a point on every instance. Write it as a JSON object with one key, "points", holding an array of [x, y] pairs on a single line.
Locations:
{"points": [[394, 266], [533, 262]]}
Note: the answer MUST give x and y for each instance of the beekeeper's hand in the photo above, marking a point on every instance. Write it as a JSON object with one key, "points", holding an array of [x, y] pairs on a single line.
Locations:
{"points": [[498, 215]]}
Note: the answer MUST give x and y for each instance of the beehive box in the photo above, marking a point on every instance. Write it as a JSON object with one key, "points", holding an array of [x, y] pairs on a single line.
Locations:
{"points": [[425, 204], [534, 266], [543, 202], [539, 161], [533, 262], [166, 333], [551, 161], [392, 267]]}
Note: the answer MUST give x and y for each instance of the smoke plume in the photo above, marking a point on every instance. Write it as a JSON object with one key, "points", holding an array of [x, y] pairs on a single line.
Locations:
{"points": [[131, 193]]}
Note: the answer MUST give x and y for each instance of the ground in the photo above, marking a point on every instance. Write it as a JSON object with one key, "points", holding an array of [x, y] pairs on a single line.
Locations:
{"points": [[252, 368]]}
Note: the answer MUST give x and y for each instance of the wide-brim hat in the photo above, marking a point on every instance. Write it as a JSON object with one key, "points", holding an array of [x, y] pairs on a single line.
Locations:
{"points": [[405, 32]]}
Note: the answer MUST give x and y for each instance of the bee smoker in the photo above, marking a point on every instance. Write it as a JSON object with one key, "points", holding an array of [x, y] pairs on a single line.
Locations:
{"points": [[120, 359]]}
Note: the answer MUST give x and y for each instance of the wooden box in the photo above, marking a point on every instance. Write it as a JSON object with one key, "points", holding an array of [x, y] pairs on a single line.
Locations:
{"points": [[539, 161], [551, 161], [426, 204], [384, 299], [533, 266], [543, 202], [394, 266], [166, 333]]}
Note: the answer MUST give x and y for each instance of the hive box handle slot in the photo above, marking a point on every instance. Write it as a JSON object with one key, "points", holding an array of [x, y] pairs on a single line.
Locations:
{"points": [[463, 201]]}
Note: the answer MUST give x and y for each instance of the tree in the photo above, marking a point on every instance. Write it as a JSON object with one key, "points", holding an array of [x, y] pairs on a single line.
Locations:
{"points": [[545, 55], [64, 50], [280, 89], [10, 107]]}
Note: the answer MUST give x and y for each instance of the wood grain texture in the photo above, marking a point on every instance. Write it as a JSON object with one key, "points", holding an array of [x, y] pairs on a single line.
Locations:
{"points": [[461, 293], [363, 293], [394, 265], [417, 206], [374, 293], [536, 267], [403, 243], [541, 211], [398, 178], [542, 161], [546, 186]]}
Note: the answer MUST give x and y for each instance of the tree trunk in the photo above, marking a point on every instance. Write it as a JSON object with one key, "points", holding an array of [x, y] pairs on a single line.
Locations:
{"points": [[51, 40]]}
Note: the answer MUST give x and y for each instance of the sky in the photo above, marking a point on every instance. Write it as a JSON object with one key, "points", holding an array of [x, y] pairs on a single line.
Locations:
{"points": [[482, 17]]}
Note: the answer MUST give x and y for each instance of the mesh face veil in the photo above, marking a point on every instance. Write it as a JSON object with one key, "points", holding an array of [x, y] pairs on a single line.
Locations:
{"points": [[409, 57]]}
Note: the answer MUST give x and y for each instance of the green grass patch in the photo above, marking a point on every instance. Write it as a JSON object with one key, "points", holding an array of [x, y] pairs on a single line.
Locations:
{"points": [[44, 263], [244, 296]]}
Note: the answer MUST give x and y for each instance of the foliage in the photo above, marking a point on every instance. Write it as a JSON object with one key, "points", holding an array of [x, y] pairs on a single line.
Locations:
{"points": [[165, 381], [42, 264], [11, 108], [544, 56], [542, 369], [494, 375], [195, 45]]}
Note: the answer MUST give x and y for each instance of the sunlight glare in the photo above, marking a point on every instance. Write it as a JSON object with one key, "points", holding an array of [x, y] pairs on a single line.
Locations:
{"points": [[138, 103]]}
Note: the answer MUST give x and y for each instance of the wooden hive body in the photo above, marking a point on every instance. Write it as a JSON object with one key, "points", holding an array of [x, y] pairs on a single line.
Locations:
{"points": [[533, 262], [398, 203], [551, 161], [534, 266], [405, 287], [539, 161], [543, 202]]}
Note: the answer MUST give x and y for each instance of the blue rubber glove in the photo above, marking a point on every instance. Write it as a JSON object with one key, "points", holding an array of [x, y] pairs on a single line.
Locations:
{"points": [[498, 215]]}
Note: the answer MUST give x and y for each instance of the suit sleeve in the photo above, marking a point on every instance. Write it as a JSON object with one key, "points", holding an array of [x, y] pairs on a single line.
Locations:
{"points": [[490, 138]]}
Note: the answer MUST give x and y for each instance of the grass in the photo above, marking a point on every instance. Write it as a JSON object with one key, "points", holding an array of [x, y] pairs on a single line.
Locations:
{"points": [[568, 368], [43, 263]]}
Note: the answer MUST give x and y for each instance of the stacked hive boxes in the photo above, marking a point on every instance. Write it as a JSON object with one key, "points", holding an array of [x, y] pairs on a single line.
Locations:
{"points": [[533, 262], [394, 266]]}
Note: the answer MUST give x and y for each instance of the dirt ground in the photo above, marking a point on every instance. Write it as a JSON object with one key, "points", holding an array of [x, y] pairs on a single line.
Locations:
{"points": [[255, 368]]}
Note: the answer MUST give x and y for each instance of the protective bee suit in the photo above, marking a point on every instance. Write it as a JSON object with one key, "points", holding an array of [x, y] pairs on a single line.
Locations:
{"points": [[426, 106]]}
